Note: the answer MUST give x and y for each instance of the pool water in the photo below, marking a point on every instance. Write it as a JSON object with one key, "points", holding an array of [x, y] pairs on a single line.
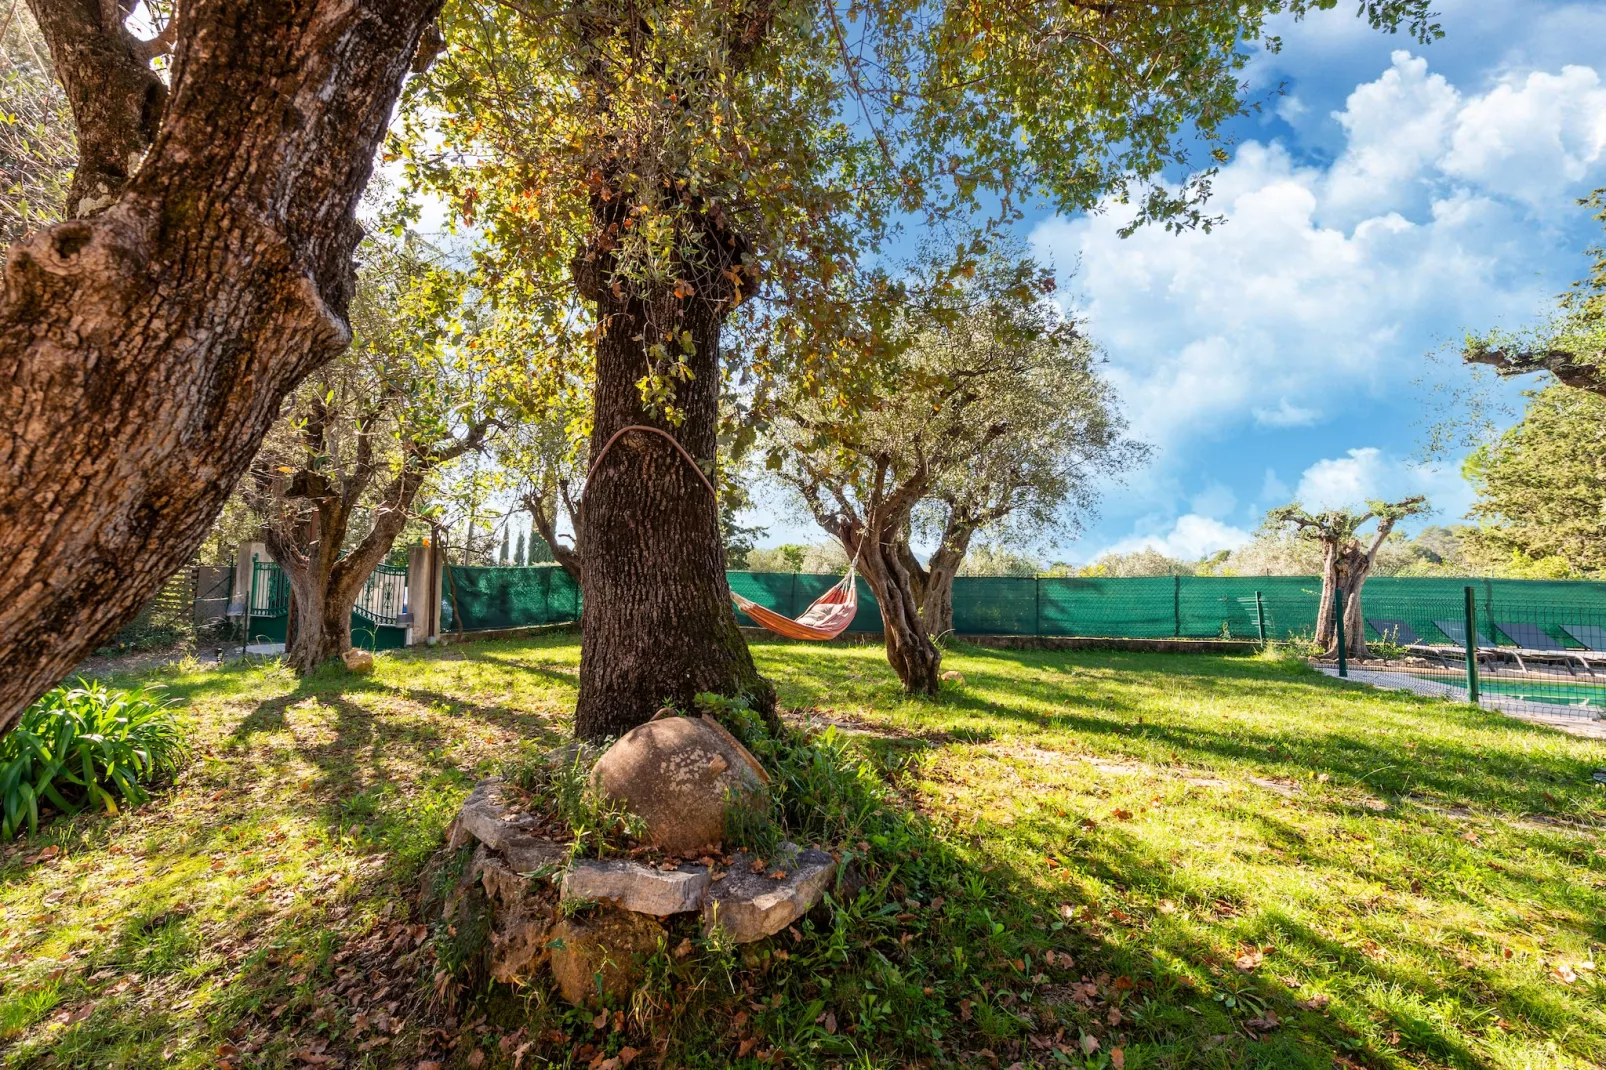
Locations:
{"points": [[1551, 692]]}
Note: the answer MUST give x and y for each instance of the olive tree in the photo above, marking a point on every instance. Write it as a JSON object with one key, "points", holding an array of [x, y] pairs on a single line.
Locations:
{"points": [[202, 268], [992, 414], [698, 168], [1348, 558], [1059, 437], [338, 476]]}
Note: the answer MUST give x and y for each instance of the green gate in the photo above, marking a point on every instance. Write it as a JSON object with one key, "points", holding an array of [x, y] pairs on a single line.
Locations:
{"points": [[375, 618]]}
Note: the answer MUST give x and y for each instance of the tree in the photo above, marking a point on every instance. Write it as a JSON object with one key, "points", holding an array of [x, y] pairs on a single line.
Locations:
{"points": [[1041, 429], [545, 454], [1570, 346], [1346, 560], [359, 440], [1542, 484], [686, 158], [991, 407], [146, 342], [1145, 562]]}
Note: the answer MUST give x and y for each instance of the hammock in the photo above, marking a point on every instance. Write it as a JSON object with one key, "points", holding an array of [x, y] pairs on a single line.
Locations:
{"points": [[827, 618]]}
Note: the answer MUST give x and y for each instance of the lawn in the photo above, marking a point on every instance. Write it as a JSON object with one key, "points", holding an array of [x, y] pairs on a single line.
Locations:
{"points": [[1085, 859]]}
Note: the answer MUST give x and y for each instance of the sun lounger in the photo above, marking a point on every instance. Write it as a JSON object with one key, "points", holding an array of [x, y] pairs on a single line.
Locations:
{"points": [[1457, 632], [1590, 636], [1395, 631], [1528, 636]]}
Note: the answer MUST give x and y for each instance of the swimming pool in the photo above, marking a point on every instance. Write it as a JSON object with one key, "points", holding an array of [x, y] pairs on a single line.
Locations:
{"points": [[1550, 691]]}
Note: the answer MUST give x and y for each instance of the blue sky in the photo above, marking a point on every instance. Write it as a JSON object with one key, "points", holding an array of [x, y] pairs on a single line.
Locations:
{"points": [[1396, 196]]}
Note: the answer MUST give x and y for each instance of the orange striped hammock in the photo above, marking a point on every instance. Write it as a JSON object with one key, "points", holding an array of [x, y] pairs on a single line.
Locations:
{"points": [[827, 618]]}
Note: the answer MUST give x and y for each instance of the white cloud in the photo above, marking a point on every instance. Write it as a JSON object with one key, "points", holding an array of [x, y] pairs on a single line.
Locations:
{"points": [[1190, 537], [1367, 474], [1325, 285], [1273, 491], [1286, 415], [1216, 500]]}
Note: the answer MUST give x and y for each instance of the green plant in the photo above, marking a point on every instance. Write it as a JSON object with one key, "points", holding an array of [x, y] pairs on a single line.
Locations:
{"points": [[84, 746]]}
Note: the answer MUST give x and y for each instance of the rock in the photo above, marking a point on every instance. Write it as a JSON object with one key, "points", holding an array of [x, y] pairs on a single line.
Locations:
{"points": [[358, 661], [488, 817], [636, 886], [678, 774], [601, 955], [522, 912], [748, 906]]}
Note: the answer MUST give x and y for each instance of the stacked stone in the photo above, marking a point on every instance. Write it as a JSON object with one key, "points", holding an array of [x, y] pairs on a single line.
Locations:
{"points": [[679, 775]]}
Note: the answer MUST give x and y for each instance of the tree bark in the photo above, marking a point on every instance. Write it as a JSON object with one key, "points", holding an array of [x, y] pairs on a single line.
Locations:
{"points": [[144, 352], [658, 624], [910, 651], [937, 602], [116, 98]]}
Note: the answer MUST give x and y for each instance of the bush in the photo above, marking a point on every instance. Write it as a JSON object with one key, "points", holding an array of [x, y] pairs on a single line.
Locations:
{"points": [[84, 746]]}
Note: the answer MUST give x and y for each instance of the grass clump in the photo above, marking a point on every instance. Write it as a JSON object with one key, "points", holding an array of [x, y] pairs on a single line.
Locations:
{"points": [[86, 747]]}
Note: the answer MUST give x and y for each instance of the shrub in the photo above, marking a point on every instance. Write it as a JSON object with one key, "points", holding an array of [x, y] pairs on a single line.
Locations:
{"points": [[84, 746]]}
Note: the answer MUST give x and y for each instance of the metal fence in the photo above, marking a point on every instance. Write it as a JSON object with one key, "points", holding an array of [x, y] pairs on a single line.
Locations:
{"points": [[1543, 657], [1538, 645]]}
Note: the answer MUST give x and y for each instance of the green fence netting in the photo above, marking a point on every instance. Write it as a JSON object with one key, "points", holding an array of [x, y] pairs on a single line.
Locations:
{"points": [[1160, 607], [482, 598]]}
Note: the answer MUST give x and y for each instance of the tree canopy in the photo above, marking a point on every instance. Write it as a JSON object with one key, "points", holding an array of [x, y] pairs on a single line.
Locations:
{"points": [[1541, 485]]}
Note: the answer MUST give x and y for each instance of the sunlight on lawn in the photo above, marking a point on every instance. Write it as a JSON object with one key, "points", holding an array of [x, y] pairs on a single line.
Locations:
{"points": [[1286, 870]]}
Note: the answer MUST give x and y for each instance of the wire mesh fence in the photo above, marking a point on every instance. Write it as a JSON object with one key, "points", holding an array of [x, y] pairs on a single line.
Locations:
{"points": [[1543, 655]]}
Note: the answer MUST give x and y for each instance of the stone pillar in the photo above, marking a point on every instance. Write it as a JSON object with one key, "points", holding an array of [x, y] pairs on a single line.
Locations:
{"points": [[242, 576], [423, 593]]}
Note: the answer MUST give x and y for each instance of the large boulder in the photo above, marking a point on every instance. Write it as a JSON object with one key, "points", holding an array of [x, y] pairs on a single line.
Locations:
{"points": [[678, 774], [601, 956]]}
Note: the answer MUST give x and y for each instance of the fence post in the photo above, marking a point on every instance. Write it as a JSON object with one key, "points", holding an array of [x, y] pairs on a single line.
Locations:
{"points": [[1037, 609], [1176, 606], [1338, 625], [1260, 617], [1470, 640], [250, 596]]}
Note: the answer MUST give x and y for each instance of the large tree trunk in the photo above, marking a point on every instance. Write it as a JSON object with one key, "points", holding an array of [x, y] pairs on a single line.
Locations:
{"points": [[320, 624], [910, 651], [144, 352], [1343, 569], [658, 624]]}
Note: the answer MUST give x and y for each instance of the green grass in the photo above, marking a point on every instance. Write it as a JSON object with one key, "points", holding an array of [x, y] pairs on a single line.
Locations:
{"points": [[1162, 853]]}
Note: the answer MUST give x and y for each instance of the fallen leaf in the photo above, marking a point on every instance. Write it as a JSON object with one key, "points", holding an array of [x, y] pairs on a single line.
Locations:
{"points": [[1118, 1058], [1249, 960], [1564, 974], [830, 1022], [627, 1055], [1317, 1002], [1090, 1044], [1121, 815]]}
